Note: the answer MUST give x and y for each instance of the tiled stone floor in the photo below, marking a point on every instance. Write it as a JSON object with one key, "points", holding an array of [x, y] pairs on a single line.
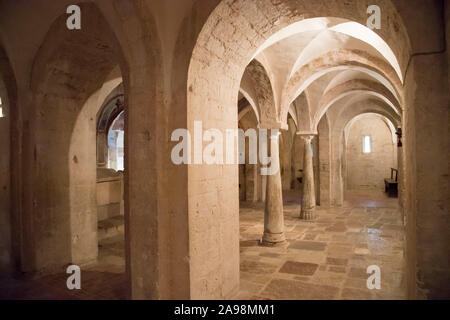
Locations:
{"points": [[326, 258], [323, 259], [103, 280]]}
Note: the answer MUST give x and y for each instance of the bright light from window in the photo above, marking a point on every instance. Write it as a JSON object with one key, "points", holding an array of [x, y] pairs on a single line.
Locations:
{"points": [[1, 109], [116, 144], [367, 148]]}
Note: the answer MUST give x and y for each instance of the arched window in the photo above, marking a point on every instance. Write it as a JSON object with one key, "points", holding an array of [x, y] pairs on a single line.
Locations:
{"points": [[110, 134], [116, 136]]}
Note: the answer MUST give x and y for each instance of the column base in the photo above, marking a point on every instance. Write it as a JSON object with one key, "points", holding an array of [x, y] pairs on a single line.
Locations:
{"points": [[307, 214], [273, 239]]}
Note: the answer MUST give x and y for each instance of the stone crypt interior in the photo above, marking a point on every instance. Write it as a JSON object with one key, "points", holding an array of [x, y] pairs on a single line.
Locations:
{"points": [[86, 177]]}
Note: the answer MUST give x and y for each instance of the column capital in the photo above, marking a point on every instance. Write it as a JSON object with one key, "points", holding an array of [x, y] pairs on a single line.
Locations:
{"points": [[307, 133], [271, 124]]}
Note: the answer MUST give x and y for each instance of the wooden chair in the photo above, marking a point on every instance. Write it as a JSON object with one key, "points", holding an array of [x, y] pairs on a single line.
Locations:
{"points": [[391, 185]]}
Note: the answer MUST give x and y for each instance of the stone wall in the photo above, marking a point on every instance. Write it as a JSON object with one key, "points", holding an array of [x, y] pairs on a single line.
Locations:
{"points": [[368, 170], [109, 194], [182, 226], [5, 194], [426, 150]]}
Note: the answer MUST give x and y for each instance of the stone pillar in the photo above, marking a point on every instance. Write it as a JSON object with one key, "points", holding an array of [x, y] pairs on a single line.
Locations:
{"points": [[273, 214], [400, 172], [263, 188], [251, 182], [309, 196]]}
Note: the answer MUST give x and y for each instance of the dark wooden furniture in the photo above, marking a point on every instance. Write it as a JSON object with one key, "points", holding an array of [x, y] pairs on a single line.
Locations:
{"points": [[391, 185], [300, 179]]}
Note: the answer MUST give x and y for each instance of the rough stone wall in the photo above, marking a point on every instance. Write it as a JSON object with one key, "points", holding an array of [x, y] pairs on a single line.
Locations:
{"points": [[228, 40], [83, 176], [426, 151], [432, 223], [63, 83], [109, 194], [174, 250], [368, 171], [132, 24], [324, 162], [5, 194]]}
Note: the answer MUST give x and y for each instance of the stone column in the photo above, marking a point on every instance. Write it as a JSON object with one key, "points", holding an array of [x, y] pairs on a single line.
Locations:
{"points": [[251, 182], [400, 172], [309, 196], [273, 214], [263, 187]]}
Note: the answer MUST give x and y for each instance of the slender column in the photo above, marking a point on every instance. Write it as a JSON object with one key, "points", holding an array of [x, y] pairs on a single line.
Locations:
{"points": [[273, 214], [309, 196], [263, 187]]}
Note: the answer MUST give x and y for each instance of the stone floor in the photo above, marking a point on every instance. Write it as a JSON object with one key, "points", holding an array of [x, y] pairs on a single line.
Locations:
{"points": [[323, 259], [326, 258], [103, 280]]}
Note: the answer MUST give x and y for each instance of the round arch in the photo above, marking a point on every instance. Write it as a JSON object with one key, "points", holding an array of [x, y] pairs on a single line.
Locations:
{"points": [[60, 90], [341, 60], [213, 84]]}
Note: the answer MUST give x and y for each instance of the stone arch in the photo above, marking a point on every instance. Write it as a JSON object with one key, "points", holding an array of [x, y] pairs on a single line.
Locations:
{"points": [[303, 111], [229, 40], [138, 55], [347, 110], [355, 87], [342, 60], [360, 74], [365, 38], [112, 106], [83, 200], [249, 94], [390, 151], [389, 124], [293, 113], [262, 87], [64, 225]]}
